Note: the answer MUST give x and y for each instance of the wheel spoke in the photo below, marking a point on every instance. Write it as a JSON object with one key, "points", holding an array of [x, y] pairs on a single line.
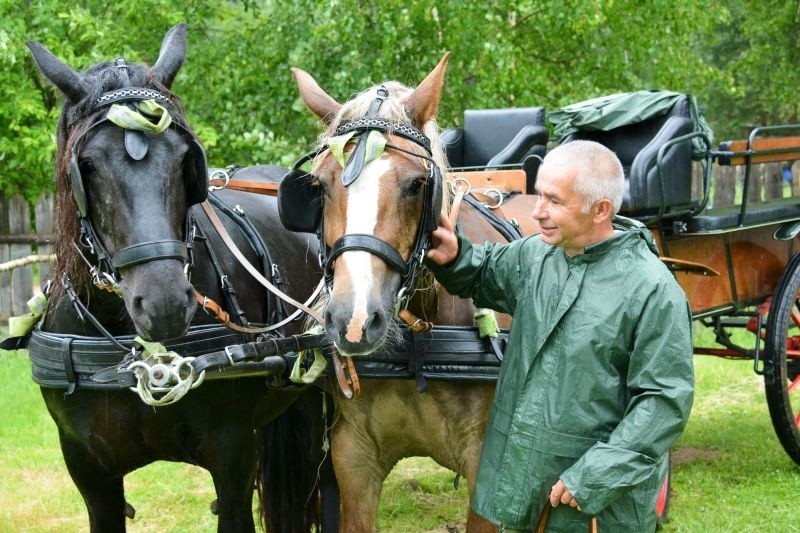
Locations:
{"points": [[796, 314], [794, 384]]}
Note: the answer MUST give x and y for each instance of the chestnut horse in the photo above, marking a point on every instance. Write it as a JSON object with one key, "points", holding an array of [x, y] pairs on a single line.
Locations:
{"points": [[377, 174], [125, 191]]}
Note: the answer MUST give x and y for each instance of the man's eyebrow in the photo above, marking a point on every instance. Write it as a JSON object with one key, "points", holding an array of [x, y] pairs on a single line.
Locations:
{"points": [[552, 196]]}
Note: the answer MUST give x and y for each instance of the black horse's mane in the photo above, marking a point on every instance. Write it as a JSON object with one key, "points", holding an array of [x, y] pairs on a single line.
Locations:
{"points": [[74, 121]]}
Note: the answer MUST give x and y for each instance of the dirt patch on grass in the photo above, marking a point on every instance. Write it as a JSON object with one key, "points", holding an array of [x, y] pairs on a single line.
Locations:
{"points": [[685, 456]]}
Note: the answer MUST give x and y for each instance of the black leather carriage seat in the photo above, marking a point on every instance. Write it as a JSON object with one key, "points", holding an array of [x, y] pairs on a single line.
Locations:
{"points": [[493, 137], [637, 147], [726, 218]]}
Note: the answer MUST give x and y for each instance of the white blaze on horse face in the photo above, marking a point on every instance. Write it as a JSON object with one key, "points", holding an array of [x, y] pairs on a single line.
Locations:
{"points": [[362, 217]]}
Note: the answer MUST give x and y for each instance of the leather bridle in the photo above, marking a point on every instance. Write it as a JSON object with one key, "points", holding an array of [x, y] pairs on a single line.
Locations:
{"points": [[296, 186], [109, 266]]}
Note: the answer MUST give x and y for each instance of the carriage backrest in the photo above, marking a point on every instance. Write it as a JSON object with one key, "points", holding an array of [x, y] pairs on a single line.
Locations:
{"points": [[493, 137], [637, 146]]}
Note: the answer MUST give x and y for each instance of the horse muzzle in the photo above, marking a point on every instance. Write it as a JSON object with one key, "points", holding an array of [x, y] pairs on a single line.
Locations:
{"points": [[159, 300]]}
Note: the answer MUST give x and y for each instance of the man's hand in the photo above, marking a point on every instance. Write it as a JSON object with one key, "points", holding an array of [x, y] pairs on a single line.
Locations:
{"points": [[444, 243], [561, 494]]}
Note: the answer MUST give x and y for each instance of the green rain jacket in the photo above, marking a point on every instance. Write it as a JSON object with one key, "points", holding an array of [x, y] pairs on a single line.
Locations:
{"points": [[597, 381]]}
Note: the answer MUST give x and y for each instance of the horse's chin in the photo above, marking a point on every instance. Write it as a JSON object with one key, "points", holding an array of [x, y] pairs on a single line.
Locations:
{"points": [[162, 334]]}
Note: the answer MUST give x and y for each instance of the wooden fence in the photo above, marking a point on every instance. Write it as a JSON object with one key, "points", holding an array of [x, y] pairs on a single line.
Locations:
{"points": [[25, 237]]}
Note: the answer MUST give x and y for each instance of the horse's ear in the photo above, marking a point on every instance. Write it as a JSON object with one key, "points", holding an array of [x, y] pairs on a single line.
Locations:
{"points": [[70, 82], [171, 56], [316, 100], [421, 104]]}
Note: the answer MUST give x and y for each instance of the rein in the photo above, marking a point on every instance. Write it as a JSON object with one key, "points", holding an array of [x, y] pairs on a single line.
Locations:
{"points": [[346, 374], [223, 233]]}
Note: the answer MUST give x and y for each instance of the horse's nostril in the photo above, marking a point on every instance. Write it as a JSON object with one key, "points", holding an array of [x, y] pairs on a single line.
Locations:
{"points": [[330, 327], [374, 329]]}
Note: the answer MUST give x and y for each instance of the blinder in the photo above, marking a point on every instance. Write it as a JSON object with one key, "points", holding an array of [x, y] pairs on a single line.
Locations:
{"points": [[433, 198], [300, 198], [195, 171]]}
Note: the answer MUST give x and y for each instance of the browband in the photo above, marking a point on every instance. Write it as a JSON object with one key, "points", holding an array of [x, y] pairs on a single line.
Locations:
{"points": [[131, 94], [375, 123]]}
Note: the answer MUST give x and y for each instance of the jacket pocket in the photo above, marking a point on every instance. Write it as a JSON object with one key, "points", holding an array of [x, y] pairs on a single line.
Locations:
{"points": [[561, 444]]}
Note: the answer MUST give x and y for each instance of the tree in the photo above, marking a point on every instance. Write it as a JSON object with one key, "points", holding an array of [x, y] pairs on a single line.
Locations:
{"points": [[739, 58], [755, 45]]}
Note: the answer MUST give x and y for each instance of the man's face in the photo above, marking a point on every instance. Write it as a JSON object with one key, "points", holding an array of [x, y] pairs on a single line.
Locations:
{"points": [[558, 210]]}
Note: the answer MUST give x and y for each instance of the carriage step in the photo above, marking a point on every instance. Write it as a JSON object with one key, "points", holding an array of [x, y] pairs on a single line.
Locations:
{"points": [[737, 321]]}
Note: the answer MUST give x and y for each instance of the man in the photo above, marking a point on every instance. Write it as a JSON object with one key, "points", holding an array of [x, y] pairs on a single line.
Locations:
{"points": [[597, 380]]}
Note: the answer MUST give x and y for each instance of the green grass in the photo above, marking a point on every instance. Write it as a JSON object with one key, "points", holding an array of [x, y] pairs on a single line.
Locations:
{"points": [[729, 471]]}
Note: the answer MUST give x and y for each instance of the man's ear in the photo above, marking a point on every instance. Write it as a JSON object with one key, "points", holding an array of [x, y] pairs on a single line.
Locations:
{"points": [[603, 210]]}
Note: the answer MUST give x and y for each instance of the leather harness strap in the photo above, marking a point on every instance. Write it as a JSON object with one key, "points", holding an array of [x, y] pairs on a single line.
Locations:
{"points": [[266, 188], [417, 325], [226, 238], [456, 204], [218, 313], [347, 378]]}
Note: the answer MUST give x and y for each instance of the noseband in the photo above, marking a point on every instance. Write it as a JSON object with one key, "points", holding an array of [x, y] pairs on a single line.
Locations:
{"points": [[106, 274]]}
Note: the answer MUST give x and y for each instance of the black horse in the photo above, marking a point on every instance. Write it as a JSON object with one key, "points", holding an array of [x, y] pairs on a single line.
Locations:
{"points": [[126, 223]]}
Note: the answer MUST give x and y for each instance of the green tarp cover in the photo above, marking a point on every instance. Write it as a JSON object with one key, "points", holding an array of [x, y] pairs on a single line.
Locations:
{"points": [[610, 112]]}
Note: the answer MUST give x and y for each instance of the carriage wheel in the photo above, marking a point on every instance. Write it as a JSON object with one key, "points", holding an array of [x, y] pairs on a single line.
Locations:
{"points": [[782, 360]]}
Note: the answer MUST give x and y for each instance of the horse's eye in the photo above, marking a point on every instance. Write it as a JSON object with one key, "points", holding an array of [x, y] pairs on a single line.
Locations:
{"points": [[87, 167], [415, 186]]}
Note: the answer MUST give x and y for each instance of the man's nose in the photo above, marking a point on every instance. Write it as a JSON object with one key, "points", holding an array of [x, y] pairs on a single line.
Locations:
{"points": [[538, 210]]}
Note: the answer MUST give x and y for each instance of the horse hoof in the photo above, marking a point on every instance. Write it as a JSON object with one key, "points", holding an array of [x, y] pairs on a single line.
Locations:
{"points": [[214, 507], [130, 512]]}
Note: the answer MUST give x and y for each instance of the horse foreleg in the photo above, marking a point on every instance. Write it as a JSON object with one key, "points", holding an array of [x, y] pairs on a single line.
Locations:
{"points": [[359, 496], [360, 479], [102, 491], [478, 524], [233, 468]]}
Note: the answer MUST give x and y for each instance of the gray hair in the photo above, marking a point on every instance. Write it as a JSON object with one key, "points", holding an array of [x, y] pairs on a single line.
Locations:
{"points": [[600, 173]]}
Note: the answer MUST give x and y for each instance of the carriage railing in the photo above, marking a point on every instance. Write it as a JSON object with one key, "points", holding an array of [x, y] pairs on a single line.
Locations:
{"points": [[754, 150], [758, 149]]}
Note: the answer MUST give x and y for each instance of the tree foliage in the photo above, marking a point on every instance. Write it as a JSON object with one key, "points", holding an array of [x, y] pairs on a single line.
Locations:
{"points": [[738, 57]]}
